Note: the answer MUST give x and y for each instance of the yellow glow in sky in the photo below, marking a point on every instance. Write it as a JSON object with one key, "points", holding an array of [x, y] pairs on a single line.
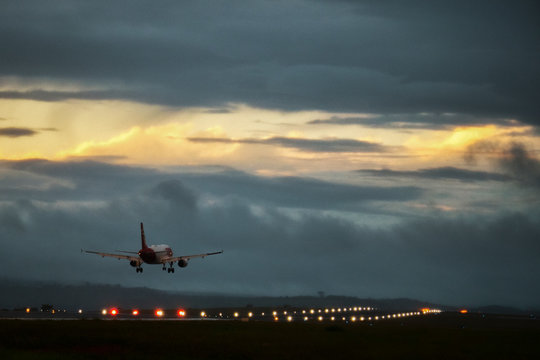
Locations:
{"points": [[133, 133]]}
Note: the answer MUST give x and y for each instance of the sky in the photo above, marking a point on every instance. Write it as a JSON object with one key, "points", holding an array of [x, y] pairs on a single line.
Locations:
{"points": [[376, 149]]}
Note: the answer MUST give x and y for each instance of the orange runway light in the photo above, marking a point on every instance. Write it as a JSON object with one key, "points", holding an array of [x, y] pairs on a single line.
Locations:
{"points": [[463, 311]]}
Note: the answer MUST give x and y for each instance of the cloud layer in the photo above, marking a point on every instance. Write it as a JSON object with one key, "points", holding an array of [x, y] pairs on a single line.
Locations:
{"points": [[311, 145], [479, 60], [280, 235], [443, 173]]}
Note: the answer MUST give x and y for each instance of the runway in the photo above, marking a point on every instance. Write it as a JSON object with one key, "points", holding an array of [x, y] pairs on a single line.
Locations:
{"points": [[276, 314]]}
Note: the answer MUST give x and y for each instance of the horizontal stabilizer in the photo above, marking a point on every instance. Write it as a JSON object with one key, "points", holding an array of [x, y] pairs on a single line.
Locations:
{"points": [[128, 252]]}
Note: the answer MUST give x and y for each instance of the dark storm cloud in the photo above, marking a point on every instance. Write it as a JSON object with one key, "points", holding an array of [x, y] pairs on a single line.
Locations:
{"points": [[177, 193], [413, 121], [514, 162], [316, 145], [90, 180], [15, 132], [442, 173], [84, 171], [298, 192], [44, 95], [461, 261], [518, 162], [474, 58], [514, 159], [76, 180]]}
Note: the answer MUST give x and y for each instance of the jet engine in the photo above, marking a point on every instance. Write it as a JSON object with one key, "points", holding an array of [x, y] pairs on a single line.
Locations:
{"points": [[182, 263], [134, 263]]}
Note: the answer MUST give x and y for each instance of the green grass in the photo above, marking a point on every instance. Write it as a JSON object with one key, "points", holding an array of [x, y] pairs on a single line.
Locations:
{"points": [[435, 338]]}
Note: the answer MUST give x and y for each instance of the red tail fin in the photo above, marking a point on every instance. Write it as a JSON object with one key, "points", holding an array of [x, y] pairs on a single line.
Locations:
{"points": [[143, 238]]}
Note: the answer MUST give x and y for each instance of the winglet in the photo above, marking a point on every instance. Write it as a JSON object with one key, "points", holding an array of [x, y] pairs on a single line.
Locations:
{"points": [[143, 238]]}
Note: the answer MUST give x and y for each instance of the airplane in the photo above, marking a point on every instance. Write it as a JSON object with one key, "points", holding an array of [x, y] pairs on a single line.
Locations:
{"points": [[153, 254]]}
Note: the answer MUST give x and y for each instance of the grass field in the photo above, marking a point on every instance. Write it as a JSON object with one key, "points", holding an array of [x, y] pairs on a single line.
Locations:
{"points": [[445, 336]]}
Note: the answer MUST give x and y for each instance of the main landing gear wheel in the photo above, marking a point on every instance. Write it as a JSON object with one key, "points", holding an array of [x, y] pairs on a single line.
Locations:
{"points": [[170, 270], [139, 269]]}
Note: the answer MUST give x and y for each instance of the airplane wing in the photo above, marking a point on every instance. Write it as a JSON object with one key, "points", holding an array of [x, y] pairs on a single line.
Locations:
{"points": [[117, 256], [187, 257]]}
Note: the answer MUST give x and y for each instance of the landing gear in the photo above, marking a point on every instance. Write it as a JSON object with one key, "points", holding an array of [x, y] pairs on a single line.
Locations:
{"points": [[171, 269], [139, 269], [163, 268]]}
